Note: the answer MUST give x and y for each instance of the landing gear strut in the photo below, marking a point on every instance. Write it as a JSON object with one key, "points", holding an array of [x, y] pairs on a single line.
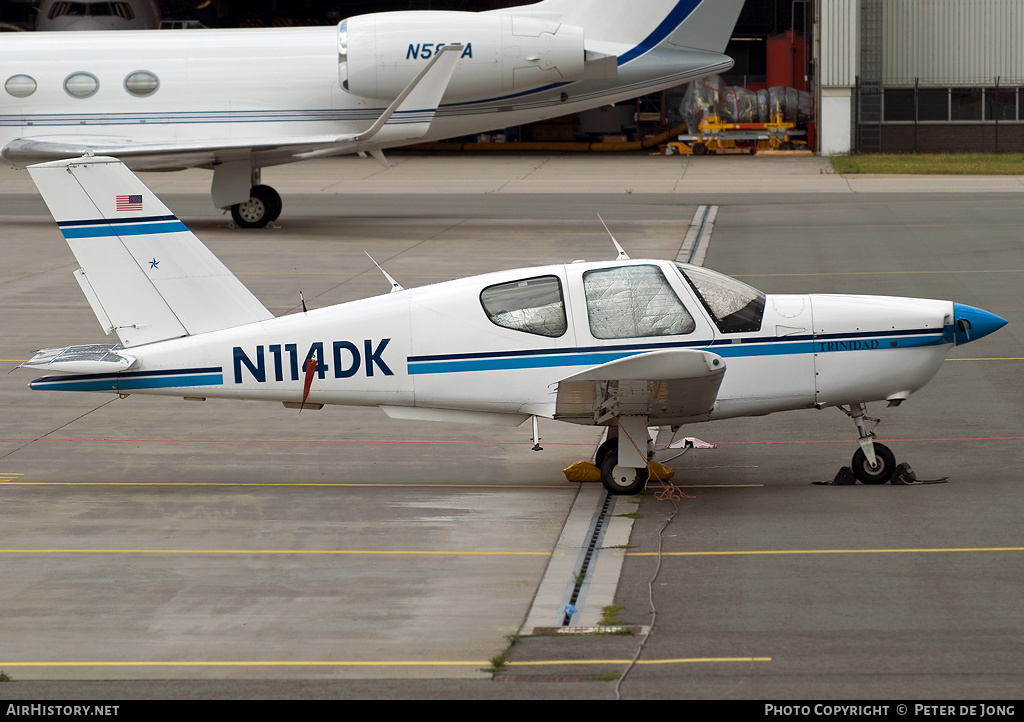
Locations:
{"points": [[873, 463]]}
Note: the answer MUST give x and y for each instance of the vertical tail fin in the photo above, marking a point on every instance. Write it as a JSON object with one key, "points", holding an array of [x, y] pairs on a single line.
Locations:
{"points": [[147, 277], [693, 24]]}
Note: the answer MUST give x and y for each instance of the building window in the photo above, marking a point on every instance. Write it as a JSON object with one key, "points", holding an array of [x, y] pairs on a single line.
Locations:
{"points": [[141, 82], [965, 103], [933, 104], [20, 86], [1000, 104], [899, 105], [81, 85]]}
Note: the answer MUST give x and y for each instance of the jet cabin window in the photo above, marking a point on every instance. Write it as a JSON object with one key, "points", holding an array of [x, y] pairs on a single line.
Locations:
{"points": [[141, 83], [20, 86], [734, 306], [634, 302], [532, 305], [81, 85]]}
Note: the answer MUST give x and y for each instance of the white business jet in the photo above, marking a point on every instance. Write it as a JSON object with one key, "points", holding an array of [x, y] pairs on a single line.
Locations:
{"points": [[236, 101], [625, 344]]}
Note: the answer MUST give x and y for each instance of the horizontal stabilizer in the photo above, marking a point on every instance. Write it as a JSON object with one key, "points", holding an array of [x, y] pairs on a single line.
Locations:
{"points": [[146, 276], [95, 358], [660, 385]]}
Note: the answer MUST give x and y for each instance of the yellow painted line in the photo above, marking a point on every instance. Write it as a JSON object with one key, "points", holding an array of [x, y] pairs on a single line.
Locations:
{"points": [[353, 552], [1008, 358], [13, 360], [826, 551], [8, 477], [329, 663], [565, 487], [878, 273], [682, 660]]}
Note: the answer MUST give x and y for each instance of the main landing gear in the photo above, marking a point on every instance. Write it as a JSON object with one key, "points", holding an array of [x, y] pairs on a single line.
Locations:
{"points": [[625, 440], [262, 208], [873, 463]]}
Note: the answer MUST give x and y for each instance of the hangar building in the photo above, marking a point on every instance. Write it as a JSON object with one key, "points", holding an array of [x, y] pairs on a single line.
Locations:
{"points": [[918, 75]]}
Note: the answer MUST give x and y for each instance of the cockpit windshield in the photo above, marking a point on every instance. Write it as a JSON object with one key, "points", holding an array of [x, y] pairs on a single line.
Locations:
{"points": [[734, 306]]}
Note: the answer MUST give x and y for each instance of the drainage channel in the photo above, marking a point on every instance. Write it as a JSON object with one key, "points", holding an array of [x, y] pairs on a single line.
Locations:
{"points": [[588, 555], [584, 568]]}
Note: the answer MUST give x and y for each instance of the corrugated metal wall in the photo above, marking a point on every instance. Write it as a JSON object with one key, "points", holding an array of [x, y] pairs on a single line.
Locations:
{"points": [[954, 42], [838, 30]]}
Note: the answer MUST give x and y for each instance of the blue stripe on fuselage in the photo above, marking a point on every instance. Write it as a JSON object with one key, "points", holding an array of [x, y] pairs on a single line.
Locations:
{"points": [[750, 347], [130, 381]]}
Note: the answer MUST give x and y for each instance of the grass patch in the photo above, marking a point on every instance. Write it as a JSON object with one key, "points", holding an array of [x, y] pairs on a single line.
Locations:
{"points": [[498, 661], [610, 677], [632, 515], [932, 164], [4, 677], [610, 616]]}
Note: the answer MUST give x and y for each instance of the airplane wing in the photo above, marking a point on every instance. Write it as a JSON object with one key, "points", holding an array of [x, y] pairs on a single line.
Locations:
{"points": [[661, 385], [407, 118]]}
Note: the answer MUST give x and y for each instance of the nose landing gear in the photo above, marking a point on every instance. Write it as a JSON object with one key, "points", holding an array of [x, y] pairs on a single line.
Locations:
{"points": [[873, 463]]}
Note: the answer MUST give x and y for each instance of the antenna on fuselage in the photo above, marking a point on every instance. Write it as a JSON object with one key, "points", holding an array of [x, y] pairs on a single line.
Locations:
{"points": [[395, 285], [623, 256], [303, 302]]}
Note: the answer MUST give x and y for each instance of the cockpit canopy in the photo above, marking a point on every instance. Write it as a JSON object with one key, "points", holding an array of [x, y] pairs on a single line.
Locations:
{"points": [[734, 306]]}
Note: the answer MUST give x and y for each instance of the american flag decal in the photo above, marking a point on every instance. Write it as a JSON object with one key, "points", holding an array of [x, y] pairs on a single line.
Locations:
{"points": [[129, 203]]}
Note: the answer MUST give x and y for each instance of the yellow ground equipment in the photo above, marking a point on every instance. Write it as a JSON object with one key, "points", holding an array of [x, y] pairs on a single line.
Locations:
{"points": [[714, 136]]}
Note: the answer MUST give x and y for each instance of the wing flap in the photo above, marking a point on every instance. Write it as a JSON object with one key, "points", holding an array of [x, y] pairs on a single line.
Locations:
{"points": [[661, 385]]}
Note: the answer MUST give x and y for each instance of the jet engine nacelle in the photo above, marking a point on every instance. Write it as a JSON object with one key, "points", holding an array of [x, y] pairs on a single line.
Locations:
{"points": [[380, 54]]}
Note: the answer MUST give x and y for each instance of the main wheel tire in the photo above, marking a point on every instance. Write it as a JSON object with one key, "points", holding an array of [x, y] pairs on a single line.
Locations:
{"points": [[879, 474], [263, 207], [604, 449], [622, 480]]}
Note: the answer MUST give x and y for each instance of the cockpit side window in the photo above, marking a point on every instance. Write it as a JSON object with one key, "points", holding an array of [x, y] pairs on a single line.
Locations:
{"points": [[532, 305], [634, 302], [734, 306]]}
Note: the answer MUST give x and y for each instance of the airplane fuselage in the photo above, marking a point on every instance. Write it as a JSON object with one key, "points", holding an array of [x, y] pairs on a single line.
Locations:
{"points": [[230, 85], [438, 347]]}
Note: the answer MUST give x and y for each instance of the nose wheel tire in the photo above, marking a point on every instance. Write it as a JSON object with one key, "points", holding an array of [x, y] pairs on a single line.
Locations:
{"points": [[622, 480], [263, 207], [879, 474]]}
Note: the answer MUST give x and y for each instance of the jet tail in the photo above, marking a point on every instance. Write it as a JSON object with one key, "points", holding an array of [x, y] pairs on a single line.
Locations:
{"points": [[146, 276], [691, 24]]}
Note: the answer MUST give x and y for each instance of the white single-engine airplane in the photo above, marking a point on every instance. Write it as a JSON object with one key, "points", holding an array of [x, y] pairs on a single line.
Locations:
{"points": [[236, 101], [625, 344]]}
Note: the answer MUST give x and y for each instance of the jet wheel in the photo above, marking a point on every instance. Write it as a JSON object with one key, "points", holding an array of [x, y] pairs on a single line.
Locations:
{"points": [[879, 474], [263, 207], [622, 480]]}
